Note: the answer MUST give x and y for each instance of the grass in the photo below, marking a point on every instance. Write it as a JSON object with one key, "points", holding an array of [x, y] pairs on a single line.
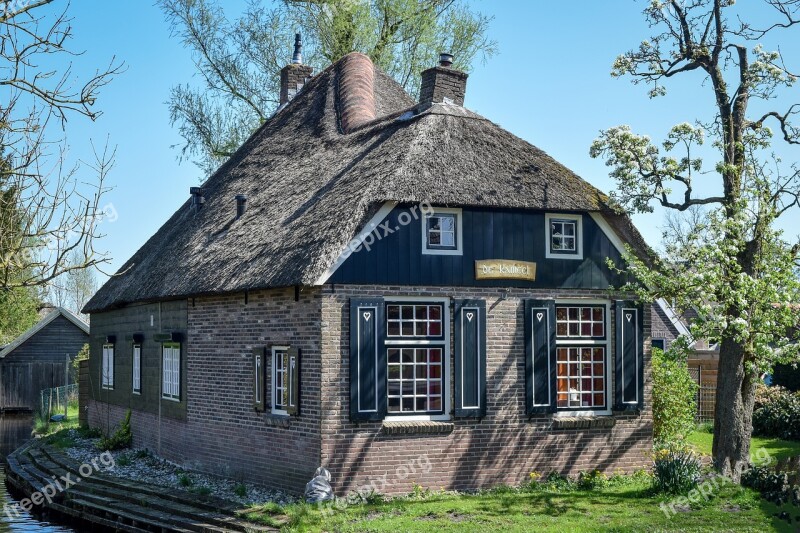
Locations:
{"points": [[57, 432], [631, 507], [777, 448]]}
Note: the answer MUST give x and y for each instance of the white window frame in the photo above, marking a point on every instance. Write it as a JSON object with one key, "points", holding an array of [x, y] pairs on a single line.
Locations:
{"points": [[444, 343], [606, 343], [171, 388], [433, 211], [273, 381], [578, 236], [107, 367], [136, 365]]}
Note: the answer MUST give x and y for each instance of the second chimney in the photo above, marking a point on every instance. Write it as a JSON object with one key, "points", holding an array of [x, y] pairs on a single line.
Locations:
{"points": [[295, 74], [443, 84]]}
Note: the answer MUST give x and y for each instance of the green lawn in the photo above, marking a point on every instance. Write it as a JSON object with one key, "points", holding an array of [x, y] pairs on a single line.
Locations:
{"points": [[777, 448], [627, 508]]}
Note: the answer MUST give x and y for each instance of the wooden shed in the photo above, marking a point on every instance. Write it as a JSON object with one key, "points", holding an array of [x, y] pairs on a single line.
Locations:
{"points": [[37, 359]]}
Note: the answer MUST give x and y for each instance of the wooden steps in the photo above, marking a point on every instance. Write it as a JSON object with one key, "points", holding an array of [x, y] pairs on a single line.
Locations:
{"points": [[119, 504]]}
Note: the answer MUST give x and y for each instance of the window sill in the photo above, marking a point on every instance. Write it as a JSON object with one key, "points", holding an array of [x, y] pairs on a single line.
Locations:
{"points": [[583, 422], [416, 428], [280, 421]]}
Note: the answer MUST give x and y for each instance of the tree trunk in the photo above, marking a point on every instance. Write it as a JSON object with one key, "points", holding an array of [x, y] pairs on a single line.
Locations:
{"points": [[733, 419]]}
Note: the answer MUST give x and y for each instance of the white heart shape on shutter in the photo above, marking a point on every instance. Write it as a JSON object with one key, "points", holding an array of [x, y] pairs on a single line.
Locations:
{"points": [[539, 316], [469, 316], [367, 316], [628, 316]]}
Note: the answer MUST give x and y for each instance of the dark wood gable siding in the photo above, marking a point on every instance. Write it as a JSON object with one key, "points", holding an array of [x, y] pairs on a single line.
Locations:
{"points": [[39, 363], [487, 234]]}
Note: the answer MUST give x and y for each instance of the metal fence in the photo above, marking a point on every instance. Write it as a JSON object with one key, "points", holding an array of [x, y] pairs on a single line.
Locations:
{"points": [[56, 400], [706, 395]]}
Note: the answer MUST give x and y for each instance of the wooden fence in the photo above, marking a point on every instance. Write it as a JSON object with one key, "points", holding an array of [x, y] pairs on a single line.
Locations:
{"points": [[21, 383]]}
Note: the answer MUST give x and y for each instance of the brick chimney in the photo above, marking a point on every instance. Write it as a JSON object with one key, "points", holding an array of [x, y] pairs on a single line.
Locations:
{"points": [[443, 83], [295, 74]]}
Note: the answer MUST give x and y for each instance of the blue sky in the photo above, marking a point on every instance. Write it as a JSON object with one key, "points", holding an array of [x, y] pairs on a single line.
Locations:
{"points": [[549, 84]]}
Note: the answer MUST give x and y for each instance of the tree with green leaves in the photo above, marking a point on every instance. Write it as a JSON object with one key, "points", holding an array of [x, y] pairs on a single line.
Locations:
{"points": [[734, 266], [239, 60]]}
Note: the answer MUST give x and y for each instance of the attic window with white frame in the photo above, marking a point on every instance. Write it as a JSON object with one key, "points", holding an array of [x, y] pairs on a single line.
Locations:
{"points": [[564, 236], [441, 232]]}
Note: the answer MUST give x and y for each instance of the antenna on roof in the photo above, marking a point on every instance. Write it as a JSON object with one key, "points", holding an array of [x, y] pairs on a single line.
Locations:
{"points": [[297, 57]]}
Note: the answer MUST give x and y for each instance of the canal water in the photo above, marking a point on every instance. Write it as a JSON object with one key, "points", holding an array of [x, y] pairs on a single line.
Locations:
{"points": [[14, 431]]}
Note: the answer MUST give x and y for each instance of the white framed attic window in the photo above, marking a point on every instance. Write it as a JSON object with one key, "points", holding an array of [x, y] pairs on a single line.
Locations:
{"points": [[564, 236], [441, 232]]}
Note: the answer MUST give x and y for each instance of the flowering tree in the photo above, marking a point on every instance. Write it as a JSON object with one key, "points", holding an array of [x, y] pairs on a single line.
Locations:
{"points": [[734, 265]]}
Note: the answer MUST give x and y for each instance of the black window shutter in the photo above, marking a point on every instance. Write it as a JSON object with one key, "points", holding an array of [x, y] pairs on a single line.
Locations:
{"points": [[258, 378], [540, 354], [629, 357], [367, 360], [470, 358], [294, 382]]}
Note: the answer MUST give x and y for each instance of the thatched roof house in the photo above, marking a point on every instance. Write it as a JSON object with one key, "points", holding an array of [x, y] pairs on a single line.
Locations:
{"points": [[311, 186], [373, 279]]}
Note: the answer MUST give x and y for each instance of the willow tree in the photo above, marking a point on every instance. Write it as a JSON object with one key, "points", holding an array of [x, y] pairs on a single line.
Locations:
{"points": [[736, 268], [239, 60]]}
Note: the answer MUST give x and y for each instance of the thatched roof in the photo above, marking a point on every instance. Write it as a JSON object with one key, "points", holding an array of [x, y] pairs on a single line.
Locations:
{"points": [[311, 187]]}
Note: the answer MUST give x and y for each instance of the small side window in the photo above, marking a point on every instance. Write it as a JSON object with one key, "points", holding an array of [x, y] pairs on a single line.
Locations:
{"points": [[564, 236], [171, 377], [137, 369], [441, 232], [659, 343], [107, 369]]}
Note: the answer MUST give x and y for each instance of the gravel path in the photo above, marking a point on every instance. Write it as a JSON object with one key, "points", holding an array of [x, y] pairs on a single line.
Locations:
{"points": [[141, 465]]}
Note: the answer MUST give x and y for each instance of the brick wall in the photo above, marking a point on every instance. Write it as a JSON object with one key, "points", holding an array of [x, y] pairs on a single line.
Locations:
{"points": [[222, 432], [439, 83], [661, 325], [504, 447]]}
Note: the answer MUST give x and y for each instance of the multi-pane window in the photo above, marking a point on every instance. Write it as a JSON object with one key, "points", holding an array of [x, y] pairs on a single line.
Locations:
{"points": [[284, 380], [563, 236], [442, 231], [414, 320], [171, 379], [415, 357], [137, 368], [581, 376], [581, 356], [580, 322], [107, 369], [415, 380]]}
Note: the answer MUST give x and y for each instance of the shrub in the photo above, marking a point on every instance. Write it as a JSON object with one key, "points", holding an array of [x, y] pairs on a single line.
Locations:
{"points": [[121, 438], [89, 433], [773, 486], [240, 490], [674, 396], [592, 480], [184, 480], [777, 413], [676, 470]]}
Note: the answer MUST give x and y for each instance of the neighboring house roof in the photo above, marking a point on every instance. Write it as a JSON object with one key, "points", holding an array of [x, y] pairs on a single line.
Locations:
{"points": [[36, 328], [311, 187]]}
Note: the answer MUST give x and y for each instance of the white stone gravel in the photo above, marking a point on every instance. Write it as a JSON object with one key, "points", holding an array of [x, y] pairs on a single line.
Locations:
{"points": [[144, 466]]}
